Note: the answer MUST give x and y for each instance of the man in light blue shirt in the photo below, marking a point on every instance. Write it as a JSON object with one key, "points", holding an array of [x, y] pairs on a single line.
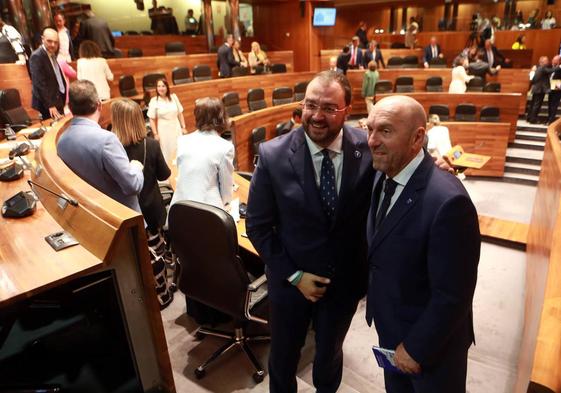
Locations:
{"points": [[95, 154]]}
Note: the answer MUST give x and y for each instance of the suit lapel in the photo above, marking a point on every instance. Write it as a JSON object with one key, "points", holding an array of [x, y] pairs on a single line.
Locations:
{"points": [[352, 160], [407, 199]]}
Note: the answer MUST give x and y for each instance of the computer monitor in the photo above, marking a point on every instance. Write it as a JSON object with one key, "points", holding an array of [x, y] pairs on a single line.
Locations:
{"points": [[324, 16], [117, 33]]}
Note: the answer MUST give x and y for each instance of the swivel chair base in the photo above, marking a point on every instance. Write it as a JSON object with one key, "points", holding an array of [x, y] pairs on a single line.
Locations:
{"points": [[238, 339]]}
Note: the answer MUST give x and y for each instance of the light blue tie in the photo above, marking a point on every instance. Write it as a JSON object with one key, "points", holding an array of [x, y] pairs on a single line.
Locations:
{"points": [[56, 68]]}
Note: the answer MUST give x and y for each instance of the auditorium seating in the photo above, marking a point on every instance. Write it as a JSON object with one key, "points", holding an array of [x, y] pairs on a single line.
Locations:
{"points": [[174, 48], [257, 137], [397, 45], [465, 112], [180, 75], [404, 84], [490, 114], [282, 95], [149, 80], [134, 52], [300, 91], [201, 72], [434, 84], [475, 84], [441, 110], [231, 101], [11, 110], [492, 87], [410, 61], [278, 68], [395, 62], [240, 71], [384, 86], [437, 63], [127, 87], [256, 99]]}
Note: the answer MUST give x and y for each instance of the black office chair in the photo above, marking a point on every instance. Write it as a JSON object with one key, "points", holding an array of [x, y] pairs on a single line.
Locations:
{"points": [[434, 84], [256, 99], [257, 137], [231, 103], [411, 61], [278, 68], [441, 110], [146, 32], [240, 71], [180, 75], [465, 112], [437, 62], [397, 45], [149, 80], [492, 87], [131, 32], [135, 52], [127, 86], [404, 84], [475, 84], [202, 72], [395, 62], [11, 110], [205, 240], [384, 86], [282, 95], [300, 91], [490, 114], [175, 48]]}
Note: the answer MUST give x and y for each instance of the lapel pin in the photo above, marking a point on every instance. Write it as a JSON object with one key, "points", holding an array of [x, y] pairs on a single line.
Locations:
{"points": [[358, 154], [409, 201]]}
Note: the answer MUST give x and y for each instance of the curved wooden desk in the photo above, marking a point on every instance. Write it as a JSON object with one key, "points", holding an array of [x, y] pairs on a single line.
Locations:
{"points": [[111, 236]]}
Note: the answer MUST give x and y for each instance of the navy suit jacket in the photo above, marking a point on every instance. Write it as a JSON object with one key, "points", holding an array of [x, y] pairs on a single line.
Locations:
{"points": [[428, 53], [225, 61], [288, 226], [378, 58], [359, 60], [45, 93], [423, 266]]}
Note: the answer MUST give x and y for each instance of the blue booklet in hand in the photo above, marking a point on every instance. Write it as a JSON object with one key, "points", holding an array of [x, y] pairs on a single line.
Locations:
{"points": [[385, 359]]}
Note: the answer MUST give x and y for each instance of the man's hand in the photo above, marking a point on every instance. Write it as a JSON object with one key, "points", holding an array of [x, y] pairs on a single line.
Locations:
{"points": [[441, 55], [443, 164], [309, 288], [137, 164], [53, 111], [426, 65], [405, 362]]}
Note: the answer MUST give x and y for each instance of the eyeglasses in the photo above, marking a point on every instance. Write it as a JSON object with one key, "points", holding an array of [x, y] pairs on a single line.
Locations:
{"points": [[327, 110]]}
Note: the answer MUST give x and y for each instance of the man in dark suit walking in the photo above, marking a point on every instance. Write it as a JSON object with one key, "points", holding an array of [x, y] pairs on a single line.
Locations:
{"points": [[423, 253], [97, 30], [432, 51], [225, 58], [373, 54], [494, 57], [555, 93], [540, 87], [47, 80], [306, 216]]}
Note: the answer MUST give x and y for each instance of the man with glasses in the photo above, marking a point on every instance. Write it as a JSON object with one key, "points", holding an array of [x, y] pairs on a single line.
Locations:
{"points": [[306, 216]]}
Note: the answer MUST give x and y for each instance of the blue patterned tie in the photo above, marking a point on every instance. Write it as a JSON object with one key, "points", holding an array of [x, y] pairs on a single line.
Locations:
{"points": [[328, 185]]}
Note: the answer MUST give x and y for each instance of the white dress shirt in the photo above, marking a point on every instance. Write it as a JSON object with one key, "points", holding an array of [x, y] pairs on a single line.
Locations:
{"points": [[402, 178], [335, 153]]}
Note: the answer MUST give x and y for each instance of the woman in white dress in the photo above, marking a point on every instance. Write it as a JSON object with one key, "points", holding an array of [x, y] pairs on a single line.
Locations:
{"points": [[205, 159], [94, 68], [459, 76], [166, 119]]}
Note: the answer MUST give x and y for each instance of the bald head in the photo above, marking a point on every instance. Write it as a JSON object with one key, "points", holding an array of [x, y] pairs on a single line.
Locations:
{"points": [[396, 129], [50, 41], [544, 60], [555, 60]]}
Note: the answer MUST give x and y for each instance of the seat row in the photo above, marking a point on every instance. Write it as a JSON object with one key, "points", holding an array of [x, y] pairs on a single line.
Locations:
{"points": [[412, 61], [404, 84], [181, 75], [466, 112]]}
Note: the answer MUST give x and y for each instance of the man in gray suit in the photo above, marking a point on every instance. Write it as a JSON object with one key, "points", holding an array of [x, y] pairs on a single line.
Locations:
{"points": [[97, 30], [95, 154]]}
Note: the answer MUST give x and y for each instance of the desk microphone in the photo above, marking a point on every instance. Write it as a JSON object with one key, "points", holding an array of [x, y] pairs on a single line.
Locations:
{"points": [[73, 202]]}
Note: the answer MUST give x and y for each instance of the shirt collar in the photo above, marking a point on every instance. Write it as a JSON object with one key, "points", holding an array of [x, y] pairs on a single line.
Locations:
{"points": [[86, 120], [336, 146], [405, 174]]}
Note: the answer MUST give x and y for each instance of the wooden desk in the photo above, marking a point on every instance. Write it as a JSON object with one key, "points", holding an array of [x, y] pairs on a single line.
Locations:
{"points": [[154, 45], [326, 54], [506, 102], [111, 236], [511, 80]]}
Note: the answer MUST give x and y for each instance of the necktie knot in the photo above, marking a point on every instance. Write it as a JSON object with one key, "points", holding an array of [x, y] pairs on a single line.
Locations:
{"points": [[389, 187], [325, 153]]}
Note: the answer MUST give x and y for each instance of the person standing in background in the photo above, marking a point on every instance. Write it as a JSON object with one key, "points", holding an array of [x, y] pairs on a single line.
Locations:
{"points": [[91, 66], [225, 57], [361, 33], [540, 87], [65, 47], [191, 24], [548, 22], [374, 53], [369, 81], [355, 61], [97, 30], [459, 76], [11, 46], [555, 93]]}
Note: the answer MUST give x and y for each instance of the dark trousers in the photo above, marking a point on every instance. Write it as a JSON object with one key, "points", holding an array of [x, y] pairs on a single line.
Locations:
{"points": [[447, 376], [289, 322], [535, 105], [552, 104], [41, 108]]}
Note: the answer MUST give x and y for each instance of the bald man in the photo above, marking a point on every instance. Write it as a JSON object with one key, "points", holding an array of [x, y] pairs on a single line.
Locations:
{"points": [[48, 84], [555, 93], [540, 86], [423, 251]]}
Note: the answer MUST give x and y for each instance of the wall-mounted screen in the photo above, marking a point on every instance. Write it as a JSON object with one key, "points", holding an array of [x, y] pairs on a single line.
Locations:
{"points": [[324, 16]]}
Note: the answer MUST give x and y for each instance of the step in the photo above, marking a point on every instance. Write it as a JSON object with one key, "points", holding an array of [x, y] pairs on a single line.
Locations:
{"points": [[529, 145], [530, 142], [521, 178], [535, 133], [525, 170], [523, 125], [521, 160], [524, 153], [523, 136]]}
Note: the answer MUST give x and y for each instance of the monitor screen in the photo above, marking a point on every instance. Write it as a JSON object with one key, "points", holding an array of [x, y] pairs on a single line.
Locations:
{"points": [[117, 33], [324, 16]]}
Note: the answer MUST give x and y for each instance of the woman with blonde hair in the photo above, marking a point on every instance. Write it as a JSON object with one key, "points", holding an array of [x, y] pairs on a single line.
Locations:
{"points": [[128, 124], [94, 68], [257, 57], [205, 159]]}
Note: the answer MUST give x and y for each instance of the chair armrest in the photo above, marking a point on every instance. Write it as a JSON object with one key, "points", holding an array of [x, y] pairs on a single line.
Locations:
{"points": [[254, 286]]}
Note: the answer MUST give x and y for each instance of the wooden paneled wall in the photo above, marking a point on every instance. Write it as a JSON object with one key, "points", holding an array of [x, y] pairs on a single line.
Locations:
{"points": [[154, 45], [540, 353]]}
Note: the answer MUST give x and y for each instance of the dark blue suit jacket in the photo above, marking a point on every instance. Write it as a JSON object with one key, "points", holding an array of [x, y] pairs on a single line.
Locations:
{"points": [[288, 227], [423, 266], [428, 53], [225, 61], [359, 60]]}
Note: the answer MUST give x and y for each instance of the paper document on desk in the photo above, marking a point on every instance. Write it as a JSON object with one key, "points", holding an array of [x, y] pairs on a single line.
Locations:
{"points": [[235, 209]]}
